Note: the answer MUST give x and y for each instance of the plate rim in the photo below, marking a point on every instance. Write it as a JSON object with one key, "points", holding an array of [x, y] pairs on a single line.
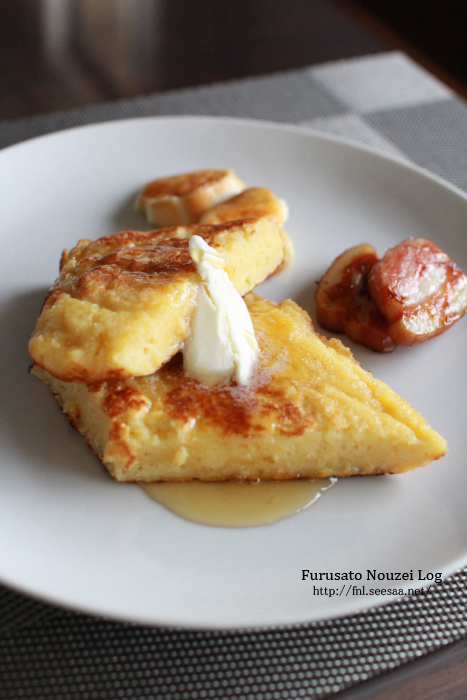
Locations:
{"points": [[309, 132]]}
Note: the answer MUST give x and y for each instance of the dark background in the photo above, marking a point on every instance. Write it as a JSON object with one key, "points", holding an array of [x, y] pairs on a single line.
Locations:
{"points": [[438, 28], [56, 54]]}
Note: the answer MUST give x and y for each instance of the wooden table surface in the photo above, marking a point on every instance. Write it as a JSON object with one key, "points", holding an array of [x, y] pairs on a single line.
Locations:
{"points": [[441, 675]]}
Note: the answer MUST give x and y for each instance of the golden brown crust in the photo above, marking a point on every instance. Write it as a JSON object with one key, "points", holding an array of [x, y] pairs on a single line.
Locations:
{"points": [[63, 259], [181, 185], [122, 305], [223, 410], [254, 201], [182, 199]]}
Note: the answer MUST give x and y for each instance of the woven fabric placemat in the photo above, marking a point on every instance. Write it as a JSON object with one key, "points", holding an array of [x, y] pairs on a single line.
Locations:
{"points": [[385, 101]]}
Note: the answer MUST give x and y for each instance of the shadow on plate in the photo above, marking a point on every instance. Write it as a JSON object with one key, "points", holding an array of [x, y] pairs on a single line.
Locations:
{"points": [[126, 218], [306, 299], [35, 428]]}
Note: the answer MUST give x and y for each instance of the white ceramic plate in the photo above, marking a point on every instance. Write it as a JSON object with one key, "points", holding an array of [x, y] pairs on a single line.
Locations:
{"points": [[69, 534]]}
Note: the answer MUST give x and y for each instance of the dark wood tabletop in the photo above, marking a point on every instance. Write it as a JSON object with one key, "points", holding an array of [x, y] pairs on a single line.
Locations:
{"points": [[441, 675]]}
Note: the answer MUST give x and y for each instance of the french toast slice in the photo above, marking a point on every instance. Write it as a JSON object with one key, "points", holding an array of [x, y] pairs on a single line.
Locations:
{"points": [[123, 304], [310, 411]]}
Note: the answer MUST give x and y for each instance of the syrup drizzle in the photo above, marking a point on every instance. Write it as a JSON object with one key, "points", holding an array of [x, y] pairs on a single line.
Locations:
{"points": [[237, 504]]}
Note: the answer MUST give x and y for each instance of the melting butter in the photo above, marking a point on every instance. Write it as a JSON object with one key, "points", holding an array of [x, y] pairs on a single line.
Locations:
{"points": [[222, 342], [237, 504]]}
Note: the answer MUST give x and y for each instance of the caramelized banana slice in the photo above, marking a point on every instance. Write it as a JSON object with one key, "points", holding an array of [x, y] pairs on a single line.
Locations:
{"points": [[419, 289], [182, 199], [254, 201], [344, 304]]}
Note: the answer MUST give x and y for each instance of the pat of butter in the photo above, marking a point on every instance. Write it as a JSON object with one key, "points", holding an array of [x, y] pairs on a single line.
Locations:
{"points": [[222, 341]]}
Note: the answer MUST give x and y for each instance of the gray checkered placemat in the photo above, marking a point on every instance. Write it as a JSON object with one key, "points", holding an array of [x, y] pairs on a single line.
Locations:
{"points": [[385, 101]]}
